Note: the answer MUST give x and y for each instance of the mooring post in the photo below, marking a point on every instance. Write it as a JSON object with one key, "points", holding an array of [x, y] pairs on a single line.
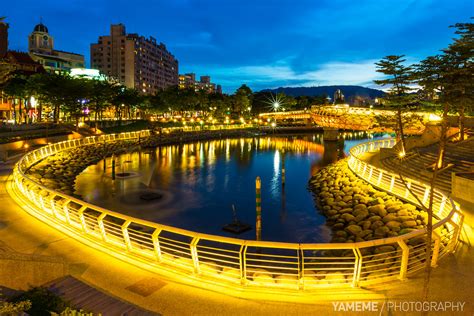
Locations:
{"points": [[113, 167], [258, 201], [283, 173], [105, 156]]}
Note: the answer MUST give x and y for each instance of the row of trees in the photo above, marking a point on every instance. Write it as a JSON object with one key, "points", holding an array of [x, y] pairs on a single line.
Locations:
{"points": [[73, 97], [58, 96], [447, 84]]}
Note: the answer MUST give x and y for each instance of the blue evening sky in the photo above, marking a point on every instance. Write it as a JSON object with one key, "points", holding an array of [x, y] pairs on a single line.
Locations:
{"points": [[263, 43]]}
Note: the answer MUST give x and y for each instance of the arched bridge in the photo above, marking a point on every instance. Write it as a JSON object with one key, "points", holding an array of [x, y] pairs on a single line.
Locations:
{"points": [[350, 118]]}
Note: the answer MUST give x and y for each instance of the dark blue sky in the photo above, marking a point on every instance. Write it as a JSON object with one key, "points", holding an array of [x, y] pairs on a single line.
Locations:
{"points": [[263, 43]]}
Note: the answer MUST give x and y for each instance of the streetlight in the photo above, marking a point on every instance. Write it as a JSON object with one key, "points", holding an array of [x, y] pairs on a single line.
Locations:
{"points": [[276, 105]]}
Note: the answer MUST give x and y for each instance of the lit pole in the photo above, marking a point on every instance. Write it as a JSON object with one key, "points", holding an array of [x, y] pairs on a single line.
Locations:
{"points": [[258, 202]]}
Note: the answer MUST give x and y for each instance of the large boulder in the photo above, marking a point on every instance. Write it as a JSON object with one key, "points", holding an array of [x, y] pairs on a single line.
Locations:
{"points": [[353, 229], [378, 209]]}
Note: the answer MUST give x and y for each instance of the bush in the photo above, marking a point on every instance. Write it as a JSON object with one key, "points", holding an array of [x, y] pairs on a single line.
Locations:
{"points": [[43, 301]]}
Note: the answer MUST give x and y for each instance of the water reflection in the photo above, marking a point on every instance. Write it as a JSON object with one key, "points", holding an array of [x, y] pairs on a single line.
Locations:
{"points": [[200, 181]]}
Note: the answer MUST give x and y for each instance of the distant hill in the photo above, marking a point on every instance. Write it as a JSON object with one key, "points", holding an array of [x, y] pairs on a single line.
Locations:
{"points": [[349, 91]]}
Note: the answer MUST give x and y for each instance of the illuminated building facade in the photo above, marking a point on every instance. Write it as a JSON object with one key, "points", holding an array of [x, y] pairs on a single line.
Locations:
{"points": [[135, 61], [41, 49], [188, 81]]}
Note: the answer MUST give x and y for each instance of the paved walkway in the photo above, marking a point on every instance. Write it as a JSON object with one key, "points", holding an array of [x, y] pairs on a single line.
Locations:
{"points": [[85, 297], [453, 280]]}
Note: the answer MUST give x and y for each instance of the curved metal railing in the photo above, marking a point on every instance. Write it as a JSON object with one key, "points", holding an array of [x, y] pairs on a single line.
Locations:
{"points": [[243, 264]]}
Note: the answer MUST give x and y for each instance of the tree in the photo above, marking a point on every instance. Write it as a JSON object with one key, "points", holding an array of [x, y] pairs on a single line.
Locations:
{"points": [[399, 79], [100, 95], [125, 99], [15, 89], [460, 78], [242, 99]]}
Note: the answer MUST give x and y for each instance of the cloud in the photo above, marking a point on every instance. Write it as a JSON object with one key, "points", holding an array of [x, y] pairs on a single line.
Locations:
{"points": [[282, 74]]}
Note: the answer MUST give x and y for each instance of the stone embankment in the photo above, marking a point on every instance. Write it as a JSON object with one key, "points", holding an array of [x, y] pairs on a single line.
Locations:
{"points": [[59, 171], [356, 211]]}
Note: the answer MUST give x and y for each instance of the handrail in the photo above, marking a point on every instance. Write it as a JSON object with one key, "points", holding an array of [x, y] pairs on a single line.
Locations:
{"points": [[232, 261]]}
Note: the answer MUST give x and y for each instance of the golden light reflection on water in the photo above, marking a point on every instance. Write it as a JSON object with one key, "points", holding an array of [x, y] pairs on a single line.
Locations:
{"points": [[163, 162]]}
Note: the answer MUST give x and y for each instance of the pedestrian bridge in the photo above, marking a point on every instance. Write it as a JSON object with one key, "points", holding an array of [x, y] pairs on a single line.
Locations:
{"points": [[351, 118]]}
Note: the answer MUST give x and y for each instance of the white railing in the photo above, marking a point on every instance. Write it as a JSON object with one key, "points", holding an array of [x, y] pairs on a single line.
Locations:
{"points": [[236, 263]]}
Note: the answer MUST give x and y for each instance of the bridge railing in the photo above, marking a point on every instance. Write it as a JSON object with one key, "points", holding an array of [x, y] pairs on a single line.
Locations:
{"points": [[235, 263]]}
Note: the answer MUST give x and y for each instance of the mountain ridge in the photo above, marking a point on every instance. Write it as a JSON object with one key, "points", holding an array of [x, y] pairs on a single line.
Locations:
{"points": [[349, 91]]}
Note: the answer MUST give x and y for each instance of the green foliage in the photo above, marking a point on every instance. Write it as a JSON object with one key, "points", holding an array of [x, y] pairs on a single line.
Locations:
{"points": [[74, 312], [43, 301], [7, 308]]}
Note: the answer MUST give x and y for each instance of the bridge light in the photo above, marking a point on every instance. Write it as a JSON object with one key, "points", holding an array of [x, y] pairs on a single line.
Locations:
{"points": [[273, 124], [401, 154], [276, 105]]}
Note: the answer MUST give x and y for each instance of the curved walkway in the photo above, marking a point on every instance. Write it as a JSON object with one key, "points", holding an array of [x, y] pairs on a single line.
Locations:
{"points": [[452, 280]]}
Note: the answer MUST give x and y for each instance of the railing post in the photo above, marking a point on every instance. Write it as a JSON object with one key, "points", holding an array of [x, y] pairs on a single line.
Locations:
{"points": [[458, 229], [435, 255], [379, 180], [100, 221], [126, 236], [407, 191], [53, 207], [426, 195], [357, 267], [156, 244], [41, 202], [80, 213], [300, 268], [370, 172], [194, 254], [404, 261], [392, 182], [66, 212], [243, 264], [443, 204]]}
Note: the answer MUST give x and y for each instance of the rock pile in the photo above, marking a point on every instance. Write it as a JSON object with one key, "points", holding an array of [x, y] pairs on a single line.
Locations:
{"points": [[356, 211], [59, 171]]}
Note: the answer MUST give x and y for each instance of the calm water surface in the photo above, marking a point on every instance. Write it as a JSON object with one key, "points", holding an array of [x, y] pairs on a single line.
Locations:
{"points": [[200, 181]]}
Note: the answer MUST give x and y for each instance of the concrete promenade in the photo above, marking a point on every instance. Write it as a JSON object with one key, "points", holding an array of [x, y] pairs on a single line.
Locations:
{"points": [[452, 280]]}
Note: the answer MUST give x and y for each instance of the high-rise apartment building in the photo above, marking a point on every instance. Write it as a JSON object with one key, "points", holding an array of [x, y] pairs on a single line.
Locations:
{"points": [[135, 61], [3, 38]]}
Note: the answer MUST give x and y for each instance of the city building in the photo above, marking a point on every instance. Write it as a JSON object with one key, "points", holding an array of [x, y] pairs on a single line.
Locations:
{"points": [[188, 81], [135, 61], [41, 49], [338, 97], [3, 37]]}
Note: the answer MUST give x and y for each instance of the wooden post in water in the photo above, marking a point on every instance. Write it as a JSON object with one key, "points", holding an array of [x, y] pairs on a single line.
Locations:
{"points": [[105, 157], [283, 173], [258, 203], [113, 167]]}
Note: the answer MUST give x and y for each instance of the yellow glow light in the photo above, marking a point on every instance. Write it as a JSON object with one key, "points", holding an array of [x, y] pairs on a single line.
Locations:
{"points": [[434, 118]]}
